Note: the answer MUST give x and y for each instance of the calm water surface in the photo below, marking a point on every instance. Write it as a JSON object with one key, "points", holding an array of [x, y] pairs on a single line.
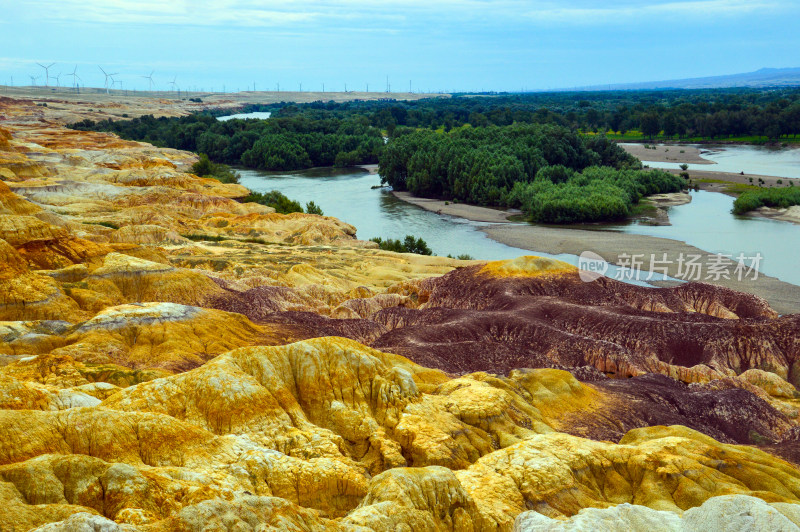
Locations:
{"points": [[708, 224], [346, 193], [257, 116], [757, 160]]}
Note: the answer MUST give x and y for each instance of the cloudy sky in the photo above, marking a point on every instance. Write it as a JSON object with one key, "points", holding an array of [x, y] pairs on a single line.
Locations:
{"points": [[438, 45]]}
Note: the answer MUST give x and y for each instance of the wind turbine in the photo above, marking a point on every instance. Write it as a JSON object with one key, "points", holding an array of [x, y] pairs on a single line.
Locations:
{"points": [[75, 76], [58, 79], [47, 73], [33, 80], [107, 75], [173, 83], [150, 79]]}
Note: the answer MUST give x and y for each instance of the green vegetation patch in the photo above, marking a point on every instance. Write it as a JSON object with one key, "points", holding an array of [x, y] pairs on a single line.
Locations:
{"points": [[204, 167], [280, 143], [409, 244], [274, 199], [779, 198], [553, 174]]}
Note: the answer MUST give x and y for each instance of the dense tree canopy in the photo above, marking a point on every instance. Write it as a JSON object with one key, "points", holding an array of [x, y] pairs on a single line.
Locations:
{"points": [[698, 113], [288, 143], [550, 172]]}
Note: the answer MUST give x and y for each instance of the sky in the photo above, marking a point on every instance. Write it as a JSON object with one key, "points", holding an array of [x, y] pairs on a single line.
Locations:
{"points": [[429, 45]]}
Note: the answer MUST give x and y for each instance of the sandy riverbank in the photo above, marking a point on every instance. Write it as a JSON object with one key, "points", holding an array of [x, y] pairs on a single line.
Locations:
{"points": [[722, 182], [792, 214], [718, 181], [372, 169], [470, 212], [666, 153], [613, 247]]}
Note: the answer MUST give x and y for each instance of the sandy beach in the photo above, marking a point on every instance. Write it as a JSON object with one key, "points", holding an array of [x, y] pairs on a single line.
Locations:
{"points": [[616, 248], [720, 181], [666, 153], [792, 214], [470, 212]]}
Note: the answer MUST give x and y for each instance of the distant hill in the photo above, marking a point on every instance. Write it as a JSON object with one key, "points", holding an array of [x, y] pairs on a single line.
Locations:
{"points": [[766, 77]]}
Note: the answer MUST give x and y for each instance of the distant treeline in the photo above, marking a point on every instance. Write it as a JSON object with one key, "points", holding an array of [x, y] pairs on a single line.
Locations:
{"points": [[701, 113], [550, 172], [287, 143]]}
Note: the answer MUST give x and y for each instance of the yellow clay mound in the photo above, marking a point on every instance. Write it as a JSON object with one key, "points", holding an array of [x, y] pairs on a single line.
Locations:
{"points": [[527, 266]]}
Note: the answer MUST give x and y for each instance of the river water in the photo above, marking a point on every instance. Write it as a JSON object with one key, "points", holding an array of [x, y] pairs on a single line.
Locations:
{"points": [[347, 194], [258, 116], [707, 223], [756, 160]]}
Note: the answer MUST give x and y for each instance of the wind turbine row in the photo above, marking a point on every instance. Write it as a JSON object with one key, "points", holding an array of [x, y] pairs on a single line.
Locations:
{"points": [[109, 82]]}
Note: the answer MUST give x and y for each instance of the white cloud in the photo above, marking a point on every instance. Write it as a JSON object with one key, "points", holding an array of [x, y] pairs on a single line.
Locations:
{"points": [[179, 12], [388, 14], [711, 9]]}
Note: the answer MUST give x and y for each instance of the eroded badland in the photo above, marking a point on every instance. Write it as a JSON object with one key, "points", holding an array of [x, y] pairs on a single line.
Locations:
{"points": [[282, 374]]}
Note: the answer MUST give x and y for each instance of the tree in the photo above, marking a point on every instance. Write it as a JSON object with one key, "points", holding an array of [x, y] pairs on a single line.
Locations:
{"points": [[649, 125], [669, 124], [313, 208]]}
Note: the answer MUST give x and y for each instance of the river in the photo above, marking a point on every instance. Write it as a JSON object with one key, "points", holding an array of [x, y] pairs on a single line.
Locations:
{"points": [[756, 160], [707, 223], [245, 116]]}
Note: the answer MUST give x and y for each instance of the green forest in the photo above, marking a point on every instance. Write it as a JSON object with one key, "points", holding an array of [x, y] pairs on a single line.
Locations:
{"points": [[550, 172], [289, 143], [751, 115]]}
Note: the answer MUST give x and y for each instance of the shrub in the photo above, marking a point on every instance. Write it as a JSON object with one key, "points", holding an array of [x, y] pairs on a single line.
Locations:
{"points": [[781, 198], [274, 199], [407, 245], [597, 194], [221, 172], [313, 208]]}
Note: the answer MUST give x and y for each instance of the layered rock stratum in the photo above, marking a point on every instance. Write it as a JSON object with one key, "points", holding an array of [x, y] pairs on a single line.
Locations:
{"points": [[174, 359]]}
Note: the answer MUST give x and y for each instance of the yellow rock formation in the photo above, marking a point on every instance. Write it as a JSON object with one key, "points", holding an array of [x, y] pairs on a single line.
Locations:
{"points": [[527, 266], [146, 383]]}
